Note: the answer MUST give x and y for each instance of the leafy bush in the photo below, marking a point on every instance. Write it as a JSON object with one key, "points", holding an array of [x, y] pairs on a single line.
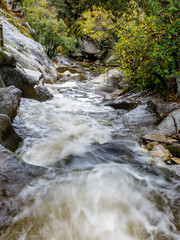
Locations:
{"points": [[148, 47], [96, 24]]}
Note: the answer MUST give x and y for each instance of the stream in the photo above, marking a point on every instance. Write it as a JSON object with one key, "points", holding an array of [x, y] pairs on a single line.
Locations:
{"points": [[95, 181]]}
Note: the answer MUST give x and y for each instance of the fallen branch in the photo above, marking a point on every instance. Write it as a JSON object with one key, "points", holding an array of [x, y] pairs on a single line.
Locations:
{"points": [[176, 128]]}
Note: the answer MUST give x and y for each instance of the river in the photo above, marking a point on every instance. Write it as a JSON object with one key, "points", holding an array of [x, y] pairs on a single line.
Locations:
{"points": [[96, 182]]}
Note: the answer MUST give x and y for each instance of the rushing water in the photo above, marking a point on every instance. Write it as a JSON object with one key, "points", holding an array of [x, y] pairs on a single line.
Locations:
{"points": [[98, 184]]}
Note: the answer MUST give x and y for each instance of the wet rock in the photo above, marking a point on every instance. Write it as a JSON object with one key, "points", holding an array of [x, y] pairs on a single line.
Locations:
{"points": [[176, 160], [43, 93], [165, 108], [63, 60], [123, 104], [166, 127], [171, 140], [33, 77], [155, 137], [28, 53], [116, 79], [8, 137], [17, 77], [9, 101], [7, 59], [110, 96], [170, 162], [159, 153], [174, 150], [151, 145], [151, 106]]}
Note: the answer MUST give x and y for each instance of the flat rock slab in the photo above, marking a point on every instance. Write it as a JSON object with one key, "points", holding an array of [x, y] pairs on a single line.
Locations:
{"points": [[176, 160], [9, 101], [155, 137]]}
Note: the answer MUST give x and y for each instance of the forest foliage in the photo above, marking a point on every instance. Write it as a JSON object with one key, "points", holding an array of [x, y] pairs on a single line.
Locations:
{"points": [[143, 34]]}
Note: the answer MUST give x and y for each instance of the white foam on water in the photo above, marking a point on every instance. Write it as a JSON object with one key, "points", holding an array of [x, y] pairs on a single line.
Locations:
{"points": [[64, 129], [110, 202]]}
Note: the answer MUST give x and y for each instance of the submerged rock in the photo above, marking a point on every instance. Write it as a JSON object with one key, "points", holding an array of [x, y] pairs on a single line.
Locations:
{"points": [[8, 137], [9, 101]]}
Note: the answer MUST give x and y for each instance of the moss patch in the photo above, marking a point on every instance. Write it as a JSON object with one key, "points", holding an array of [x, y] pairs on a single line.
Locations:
{"points": [[174, 150]]}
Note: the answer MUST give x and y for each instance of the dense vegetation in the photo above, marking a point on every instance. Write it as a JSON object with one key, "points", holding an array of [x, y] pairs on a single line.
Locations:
{"points": [[143, 35]]}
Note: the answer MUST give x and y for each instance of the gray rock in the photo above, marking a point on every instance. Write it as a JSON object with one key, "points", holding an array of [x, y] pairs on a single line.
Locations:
{"points": [[27, 52], [123, 104], [8, 137], [17, 77], [113, 78], [166, 127], [178, 84], [116, 78], [9, 101], [89, 47], [33, 77], [14, 175], [14, 5], [63, 60], [43, 93], [7, 59]]}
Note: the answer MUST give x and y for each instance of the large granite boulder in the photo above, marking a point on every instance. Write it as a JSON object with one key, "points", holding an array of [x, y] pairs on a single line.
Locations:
{"points": [[28, 53], [14, 76], [9, 101], [14, 176], [8, 137]]}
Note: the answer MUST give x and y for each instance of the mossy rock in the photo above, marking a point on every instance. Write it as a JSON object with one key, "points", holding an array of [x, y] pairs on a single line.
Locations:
{"points": [[174, 150], [84, 64]]}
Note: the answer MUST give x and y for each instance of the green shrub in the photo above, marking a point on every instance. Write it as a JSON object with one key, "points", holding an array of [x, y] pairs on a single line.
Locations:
{"points": [[148, 48]]}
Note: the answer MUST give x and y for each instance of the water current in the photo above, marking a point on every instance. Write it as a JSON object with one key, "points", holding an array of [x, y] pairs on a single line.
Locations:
{"points": [[95, 181]]}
